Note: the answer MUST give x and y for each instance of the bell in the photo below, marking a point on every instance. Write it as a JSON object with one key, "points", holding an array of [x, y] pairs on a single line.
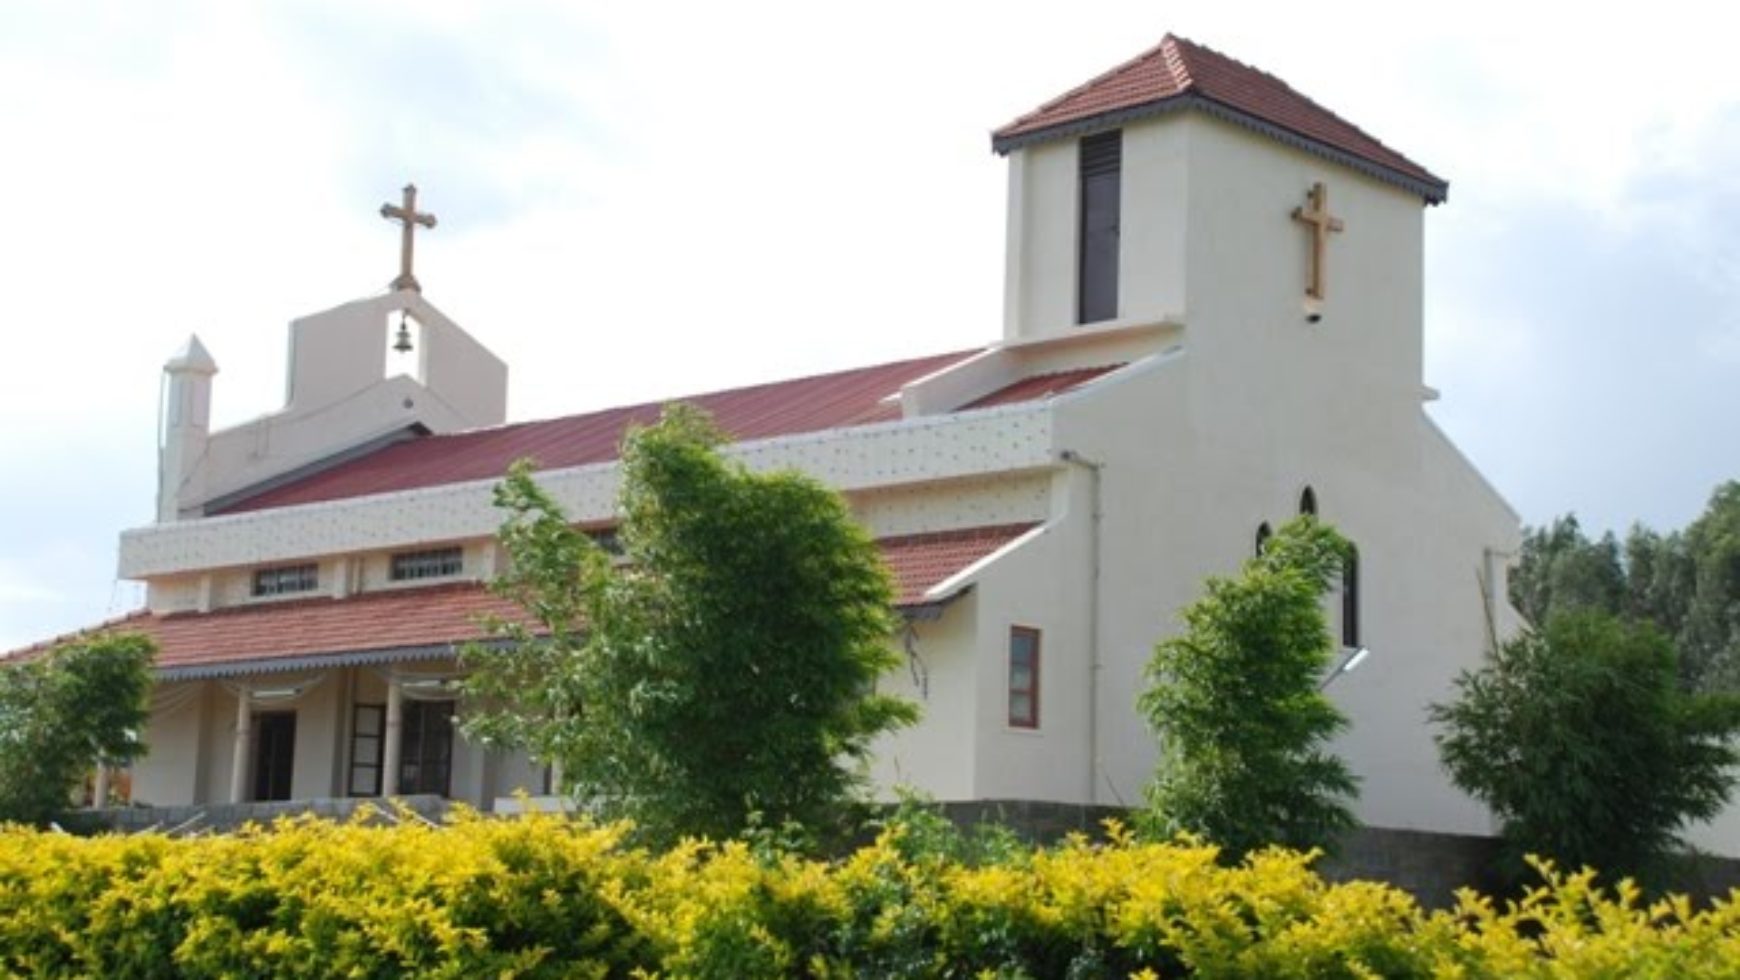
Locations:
{"points": [[402, 343]]}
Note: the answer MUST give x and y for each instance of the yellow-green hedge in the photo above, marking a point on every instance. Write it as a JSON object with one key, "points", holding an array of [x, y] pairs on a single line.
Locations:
{"points": [[547, 897]]}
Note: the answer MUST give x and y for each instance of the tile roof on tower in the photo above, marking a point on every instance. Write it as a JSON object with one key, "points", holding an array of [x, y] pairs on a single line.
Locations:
{"points": [[1179, 74]]}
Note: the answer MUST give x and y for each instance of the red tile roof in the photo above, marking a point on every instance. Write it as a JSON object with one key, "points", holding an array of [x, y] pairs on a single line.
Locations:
{"points": [[1041, 386], [920, 562], [432, 619], [1179, 72], [827, 401]]}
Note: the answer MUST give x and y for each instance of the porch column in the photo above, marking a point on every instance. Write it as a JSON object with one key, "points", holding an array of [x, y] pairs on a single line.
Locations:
{"points": [[239, 761], [395, 728], [100, 793]]}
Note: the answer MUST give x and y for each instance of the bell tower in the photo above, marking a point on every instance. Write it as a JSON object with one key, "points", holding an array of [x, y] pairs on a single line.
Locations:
{"points": [[1182, 181], [372, 371]]}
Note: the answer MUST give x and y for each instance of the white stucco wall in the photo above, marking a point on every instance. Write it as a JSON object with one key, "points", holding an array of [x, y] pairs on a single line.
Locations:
{"points": [[935, 756], [338, 395], [923, 450], [1200, 450], [168, 774], [1044, 227]]}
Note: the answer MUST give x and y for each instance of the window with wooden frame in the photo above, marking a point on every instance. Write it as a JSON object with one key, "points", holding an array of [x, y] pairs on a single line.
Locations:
{"points": [[1023, 677], [286, 580], [409, 566], [368, 731], [426, 748]]}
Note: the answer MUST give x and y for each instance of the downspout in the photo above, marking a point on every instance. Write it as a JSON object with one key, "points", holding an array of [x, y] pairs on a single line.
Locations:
{"points": [[1097, 518]]}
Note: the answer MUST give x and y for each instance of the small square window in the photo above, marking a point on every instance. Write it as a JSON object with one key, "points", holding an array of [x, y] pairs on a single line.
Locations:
{"points": [[410, 566], [1023, 677], [286, 580]]}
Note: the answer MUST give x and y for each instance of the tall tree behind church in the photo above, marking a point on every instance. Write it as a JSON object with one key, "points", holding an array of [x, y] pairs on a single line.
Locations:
{"points": [[1685, 582]]}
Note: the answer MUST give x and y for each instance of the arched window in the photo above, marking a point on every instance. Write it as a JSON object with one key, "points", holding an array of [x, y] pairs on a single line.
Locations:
{"points": [[1350, 599], [1263, 534], [1308, 502]]}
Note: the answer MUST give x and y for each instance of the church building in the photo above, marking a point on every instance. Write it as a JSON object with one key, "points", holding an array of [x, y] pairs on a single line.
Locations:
{"points": [[1212, 323]]}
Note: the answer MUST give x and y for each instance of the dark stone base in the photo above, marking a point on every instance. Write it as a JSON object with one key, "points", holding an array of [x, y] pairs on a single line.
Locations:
{"points": [[1427, 865], [217, 817]]}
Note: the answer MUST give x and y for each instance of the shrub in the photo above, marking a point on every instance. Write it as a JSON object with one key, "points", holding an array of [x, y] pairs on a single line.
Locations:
{"points": [[1581, 740], [546, 897], [1235, 701], [81, 703]]}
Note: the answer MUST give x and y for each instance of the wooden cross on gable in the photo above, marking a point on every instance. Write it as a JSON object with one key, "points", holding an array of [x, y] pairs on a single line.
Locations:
{"points": [[1322, 224], [409, 218]]}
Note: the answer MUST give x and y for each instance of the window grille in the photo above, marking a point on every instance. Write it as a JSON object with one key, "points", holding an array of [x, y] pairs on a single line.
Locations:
{"points": [[410, 566], [286, 580]]}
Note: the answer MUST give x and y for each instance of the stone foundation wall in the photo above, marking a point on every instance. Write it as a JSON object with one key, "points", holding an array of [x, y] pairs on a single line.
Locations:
{"points": [[1429, 866], [215, 817]]}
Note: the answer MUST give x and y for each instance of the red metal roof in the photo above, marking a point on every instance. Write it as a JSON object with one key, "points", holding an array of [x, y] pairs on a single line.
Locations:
{"points": [[1176, 69], [279, 635], [1041, 386], [827, 401]]}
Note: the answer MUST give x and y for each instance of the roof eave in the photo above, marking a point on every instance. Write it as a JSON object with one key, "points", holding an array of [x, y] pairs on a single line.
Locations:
{"points": [[1432, 190], [315, 661]]}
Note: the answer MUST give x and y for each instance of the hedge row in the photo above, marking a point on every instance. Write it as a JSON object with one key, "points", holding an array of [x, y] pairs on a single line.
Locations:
{"points": [[547, 897]]}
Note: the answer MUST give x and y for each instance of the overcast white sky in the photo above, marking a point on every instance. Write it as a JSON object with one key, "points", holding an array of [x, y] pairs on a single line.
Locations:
{"points": [[641, 200]]}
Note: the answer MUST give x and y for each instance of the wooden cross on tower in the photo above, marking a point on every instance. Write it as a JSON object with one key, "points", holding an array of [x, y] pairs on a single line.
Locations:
{"points": [[409, 218], [1322, 223]]}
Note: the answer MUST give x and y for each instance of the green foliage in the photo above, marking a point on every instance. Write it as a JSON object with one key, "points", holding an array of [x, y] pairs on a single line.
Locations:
{"points": [[81, 703], [1561, 570], [1686, 582], [548, 897], [1235, 702], [1582, 741], [526, 688], [728, 668]]}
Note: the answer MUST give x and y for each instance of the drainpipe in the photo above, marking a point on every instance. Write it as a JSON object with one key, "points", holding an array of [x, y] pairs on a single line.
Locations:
{"points": [[1093, 626]]}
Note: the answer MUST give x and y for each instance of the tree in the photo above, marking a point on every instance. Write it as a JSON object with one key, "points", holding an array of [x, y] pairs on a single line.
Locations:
{"points": [[1236, 704], [1581, 739], [725, 672], [1685, 582], [1561, 569], [1709, 636], [82, 703]]}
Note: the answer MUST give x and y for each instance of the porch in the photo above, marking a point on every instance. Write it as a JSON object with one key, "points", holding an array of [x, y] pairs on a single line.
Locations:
{"points": [[346, 729]]}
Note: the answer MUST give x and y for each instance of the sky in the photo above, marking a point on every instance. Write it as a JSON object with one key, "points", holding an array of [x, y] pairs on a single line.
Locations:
{"points": [[643, 200]]}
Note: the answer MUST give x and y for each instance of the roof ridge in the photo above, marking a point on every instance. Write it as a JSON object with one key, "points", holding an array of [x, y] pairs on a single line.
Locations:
{"points": [[1125, 65], [1176, 60], [695, 395], [1282, 82]]}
